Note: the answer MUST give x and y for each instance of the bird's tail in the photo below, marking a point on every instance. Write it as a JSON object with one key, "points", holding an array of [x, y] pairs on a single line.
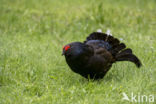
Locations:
{"points": [[127, 55], [118, 49], [121, 53]]}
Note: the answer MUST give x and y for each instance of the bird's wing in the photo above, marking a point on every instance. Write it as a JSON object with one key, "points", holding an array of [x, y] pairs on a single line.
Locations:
{"points": [[102, 40], [102, 44]]}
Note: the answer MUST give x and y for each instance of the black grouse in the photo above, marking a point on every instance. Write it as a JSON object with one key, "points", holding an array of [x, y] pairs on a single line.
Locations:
{"points": [[94, 57]]}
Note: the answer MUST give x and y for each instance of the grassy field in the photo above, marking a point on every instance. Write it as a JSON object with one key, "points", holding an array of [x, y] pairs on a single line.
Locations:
{"points": [[32, 33]]}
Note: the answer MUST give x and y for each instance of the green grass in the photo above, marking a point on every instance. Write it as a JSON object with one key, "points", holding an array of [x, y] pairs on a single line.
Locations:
{"points": [[32, 33]]}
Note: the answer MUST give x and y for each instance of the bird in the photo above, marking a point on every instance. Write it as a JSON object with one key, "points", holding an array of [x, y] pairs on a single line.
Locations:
{"points": [[94, 57]]}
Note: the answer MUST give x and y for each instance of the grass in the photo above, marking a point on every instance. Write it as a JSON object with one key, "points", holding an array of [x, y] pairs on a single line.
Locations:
{"points": [[32, 33]]}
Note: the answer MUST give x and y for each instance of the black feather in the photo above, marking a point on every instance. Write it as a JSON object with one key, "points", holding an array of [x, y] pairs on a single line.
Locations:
{"points": [[128, 57], [95, 56]]}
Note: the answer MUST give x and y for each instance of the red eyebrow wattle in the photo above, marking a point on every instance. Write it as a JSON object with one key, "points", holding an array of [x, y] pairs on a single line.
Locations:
{"points": [[66, 47]]}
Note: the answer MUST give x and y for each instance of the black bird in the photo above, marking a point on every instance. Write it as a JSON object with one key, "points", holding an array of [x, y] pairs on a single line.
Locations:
{"points": [[94, 57]]}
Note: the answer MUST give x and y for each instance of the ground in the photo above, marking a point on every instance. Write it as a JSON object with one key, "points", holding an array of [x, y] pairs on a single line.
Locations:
{"points": [[32, 33]]}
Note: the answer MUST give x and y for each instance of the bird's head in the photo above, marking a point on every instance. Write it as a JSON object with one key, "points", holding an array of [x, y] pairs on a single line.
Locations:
{"points": [[75, 50]]}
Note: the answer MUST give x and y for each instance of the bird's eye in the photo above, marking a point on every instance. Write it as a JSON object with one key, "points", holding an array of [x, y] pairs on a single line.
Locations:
{"points": [[66, 47]]}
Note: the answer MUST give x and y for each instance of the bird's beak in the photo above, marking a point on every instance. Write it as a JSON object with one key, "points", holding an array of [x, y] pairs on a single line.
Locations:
{"points": [[62, 53]]}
